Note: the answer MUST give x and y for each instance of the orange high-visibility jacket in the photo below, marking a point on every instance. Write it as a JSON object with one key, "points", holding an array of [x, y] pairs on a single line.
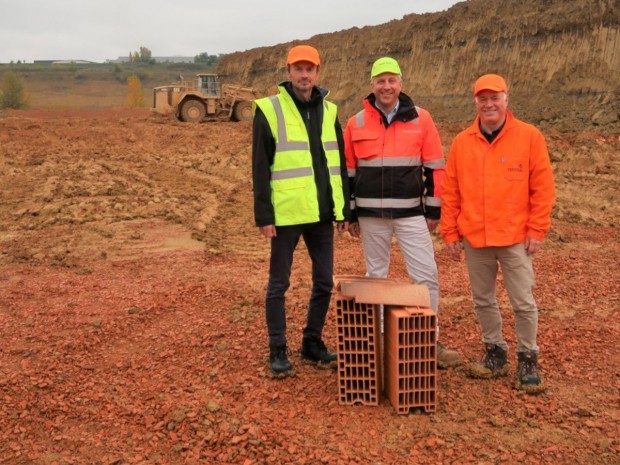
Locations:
{"points": [[395, 170], [497, 194]]}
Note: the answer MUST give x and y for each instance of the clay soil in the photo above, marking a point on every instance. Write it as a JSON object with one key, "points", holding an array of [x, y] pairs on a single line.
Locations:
{"points": [[132, 329]]}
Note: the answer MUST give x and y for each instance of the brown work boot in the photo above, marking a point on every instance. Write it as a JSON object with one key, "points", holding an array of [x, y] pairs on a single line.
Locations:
{"points": [[447, 358], [528, 377], [493, 365]]}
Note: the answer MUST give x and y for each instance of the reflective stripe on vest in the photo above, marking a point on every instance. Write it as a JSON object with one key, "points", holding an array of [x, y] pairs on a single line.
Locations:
{"points": [[292, 173], [294, 194], [387, 203], [390, 161], [283, 144]]}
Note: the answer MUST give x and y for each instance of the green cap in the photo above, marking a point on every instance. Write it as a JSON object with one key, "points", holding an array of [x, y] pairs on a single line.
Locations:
{"points": [[385, 65]]}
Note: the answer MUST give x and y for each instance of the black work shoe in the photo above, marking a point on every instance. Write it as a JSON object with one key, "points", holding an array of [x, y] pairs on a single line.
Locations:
{"points": [[278, 362], [493, 365], [528, 378], [313, 351], [447, 358]]}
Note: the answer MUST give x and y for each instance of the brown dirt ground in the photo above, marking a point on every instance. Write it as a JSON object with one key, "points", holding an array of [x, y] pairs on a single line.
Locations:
{"points": [[132, 327]]}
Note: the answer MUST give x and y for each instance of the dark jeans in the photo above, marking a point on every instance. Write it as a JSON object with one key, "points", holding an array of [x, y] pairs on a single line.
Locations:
{"points": [[319, 239]]}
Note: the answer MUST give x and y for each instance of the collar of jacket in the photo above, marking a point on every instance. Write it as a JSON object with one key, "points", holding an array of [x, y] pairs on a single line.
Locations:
{"points": [[316, 98], [475, 130], [406, 109]]}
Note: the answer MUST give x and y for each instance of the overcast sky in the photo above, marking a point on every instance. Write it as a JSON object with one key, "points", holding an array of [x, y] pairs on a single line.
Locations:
{"points": [[97, 30]]}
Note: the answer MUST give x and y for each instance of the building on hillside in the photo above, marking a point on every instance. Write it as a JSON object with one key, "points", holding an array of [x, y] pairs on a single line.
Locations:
{"points": [[173, 59]]}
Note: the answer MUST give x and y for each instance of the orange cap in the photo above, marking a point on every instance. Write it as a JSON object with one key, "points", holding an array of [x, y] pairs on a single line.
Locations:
{"points": [[303, 53], [492, 82]]}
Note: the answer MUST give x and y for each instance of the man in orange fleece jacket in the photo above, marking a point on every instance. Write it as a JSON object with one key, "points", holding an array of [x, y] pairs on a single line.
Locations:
{"points": [[497, 197]]}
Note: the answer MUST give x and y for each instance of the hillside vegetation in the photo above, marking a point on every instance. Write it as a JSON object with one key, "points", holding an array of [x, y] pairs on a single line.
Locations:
{"points": [[92, 86]]}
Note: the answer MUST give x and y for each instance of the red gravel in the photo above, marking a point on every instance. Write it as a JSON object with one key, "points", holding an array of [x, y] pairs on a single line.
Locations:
{"points": [[125, 341]]}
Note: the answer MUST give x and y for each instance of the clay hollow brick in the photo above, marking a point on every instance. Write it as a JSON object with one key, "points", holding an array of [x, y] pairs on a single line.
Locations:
{"points": [[406, 367]]}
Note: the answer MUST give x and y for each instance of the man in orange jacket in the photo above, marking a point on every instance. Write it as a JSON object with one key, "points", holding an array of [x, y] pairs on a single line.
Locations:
{"points": [[396, 165], [497, 197]]}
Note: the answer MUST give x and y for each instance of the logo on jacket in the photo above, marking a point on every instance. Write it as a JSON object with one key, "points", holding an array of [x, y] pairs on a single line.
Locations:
{"points": [[516, 169]]}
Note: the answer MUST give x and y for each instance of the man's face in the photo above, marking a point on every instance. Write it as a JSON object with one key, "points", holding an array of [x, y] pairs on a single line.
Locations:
{"points": [[303, 76], [491, 107], [386, 87]]}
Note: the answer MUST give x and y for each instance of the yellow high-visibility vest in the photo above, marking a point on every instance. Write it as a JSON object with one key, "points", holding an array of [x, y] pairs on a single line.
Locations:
{"points": [[293, 189]]}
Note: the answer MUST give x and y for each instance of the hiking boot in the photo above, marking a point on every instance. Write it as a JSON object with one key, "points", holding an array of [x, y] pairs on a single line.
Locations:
{"points": [[528, 378], [278, 362], [447, 358], [313, 350], [493, 365]]}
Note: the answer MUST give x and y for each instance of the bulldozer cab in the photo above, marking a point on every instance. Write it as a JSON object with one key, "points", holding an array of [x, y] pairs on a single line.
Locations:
{"points": [[209, 85]]}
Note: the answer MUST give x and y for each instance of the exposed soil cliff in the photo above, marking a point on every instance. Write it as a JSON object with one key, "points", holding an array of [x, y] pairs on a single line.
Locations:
{"points": [[561, 59]]}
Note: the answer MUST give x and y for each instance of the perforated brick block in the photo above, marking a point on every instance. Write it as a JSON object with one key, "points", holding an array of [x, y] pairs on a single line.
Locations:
{"points": [[410, 359], [359, 352]]}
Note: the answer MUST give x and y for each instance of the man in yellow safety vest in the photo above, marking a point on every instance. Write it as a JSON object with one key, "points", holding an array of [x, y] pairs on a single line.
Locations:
{"points": [[300, 187]]}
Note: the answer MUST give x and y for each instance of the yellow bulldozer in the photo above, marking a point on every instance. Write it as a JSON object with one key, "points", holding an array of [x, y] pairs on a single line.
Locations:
{"points": [[192, 101]]}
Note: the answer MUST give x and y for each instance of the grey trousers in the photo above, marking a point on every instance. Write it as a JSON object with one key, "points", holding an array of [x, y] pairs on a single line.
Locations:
{"points": [[518, 273], [414, 240]]}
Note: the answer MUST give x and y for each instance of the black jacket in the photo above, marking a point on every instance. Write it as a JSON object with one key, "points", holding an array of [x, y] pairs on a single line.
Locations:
{"points": [[263, 151]]}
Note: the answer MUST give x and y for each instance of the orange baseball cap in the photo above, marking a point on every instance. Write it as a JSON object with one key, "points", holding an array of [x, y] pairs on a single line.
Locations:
{"points": [[303, 53], [492, 82]]}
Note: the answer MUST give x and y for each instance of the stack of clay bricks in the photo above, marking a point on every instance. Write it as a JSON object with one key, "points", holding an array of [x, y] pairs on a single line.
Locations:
{"points": [[359, 352], [407, 369], [411, 358]]}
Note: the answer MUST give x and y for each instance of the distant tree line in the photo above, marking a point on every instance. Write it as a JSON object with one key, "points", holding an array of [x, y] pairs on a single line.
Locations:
{"points": [[206, 59], [143, 56]]}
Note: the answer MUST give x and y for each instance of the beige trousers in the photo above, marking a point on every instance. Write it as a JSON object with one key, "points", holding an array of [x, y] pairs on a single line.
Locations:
{"points": [[518, 274]]}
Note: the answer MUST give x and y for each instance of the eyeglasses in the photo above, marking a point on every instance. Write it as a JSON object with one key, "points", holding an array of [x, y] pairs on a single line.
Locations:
{"points": [[497, 98]]}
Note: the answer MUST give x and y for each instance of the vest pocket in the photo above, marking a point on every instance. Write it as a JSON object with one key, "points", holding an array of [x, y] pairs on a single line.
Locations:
{"points": [[291, 183], [294, 200], [294, 131]]}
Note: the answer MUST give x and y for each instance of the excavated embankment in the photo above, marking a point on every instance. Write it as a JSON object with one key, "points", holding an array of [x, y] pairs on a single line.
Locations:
{"points": [[561, 59]]}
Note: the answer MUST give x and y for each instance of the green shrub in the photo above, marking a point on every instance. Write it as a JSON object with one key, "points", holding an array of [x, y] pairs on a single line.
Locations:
{"points": [[13, 91]]}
